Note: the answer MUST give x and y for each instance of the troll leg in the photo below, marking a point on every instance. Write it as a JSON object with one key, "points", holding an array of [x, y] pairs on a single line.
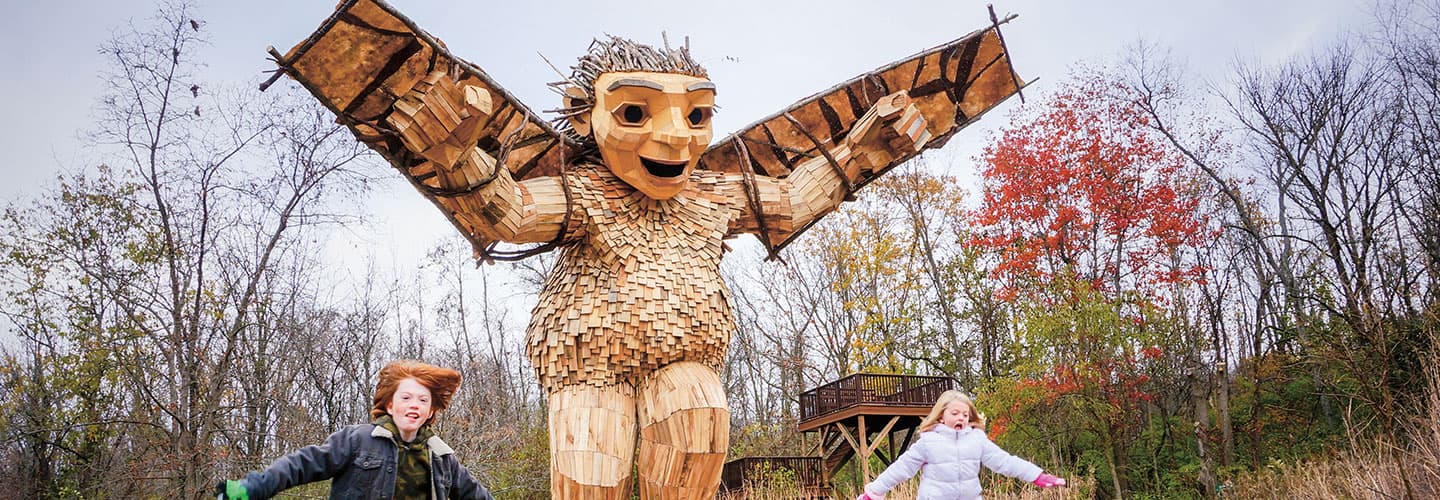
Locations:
{"points": [[684, 432], [592, 442]]}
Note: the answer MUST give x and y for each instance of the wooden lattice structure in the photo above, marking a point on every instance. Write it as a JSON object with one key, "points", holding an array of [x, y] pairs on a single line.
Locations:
{"points": [[855, 415]]}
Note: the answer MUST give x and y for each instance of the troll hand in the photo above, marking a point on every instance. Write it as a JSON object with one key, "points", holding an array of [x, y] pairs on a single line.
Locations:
{"points": [[440, 119]]}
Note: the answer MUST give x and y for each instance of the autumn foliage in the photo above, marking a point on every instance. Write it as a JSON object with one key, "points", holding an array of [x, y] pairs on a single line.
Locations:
{"points": [[1091, 219], [1082, 188]]}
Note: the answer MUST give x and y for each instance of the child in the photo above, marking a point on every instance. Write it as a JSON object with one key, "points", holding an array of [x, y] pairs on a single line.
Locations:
{"points": [[952, 447], [397, 453]]}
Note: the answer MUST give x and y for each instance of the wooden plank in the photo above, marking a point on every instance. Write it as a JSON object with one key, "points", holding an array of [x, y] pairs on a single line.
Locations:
{"points": [[848, 438], [863, 409]]}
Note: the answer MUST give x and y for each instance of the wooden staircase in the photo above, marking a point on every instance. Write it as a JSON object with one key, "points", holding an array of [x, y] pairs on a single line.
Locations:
{"points": [[835, 454]]}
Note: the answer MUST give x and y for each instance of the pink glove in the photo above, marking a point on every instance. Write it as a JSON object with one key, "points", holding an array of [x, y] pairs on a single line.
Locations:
{"points": [[865, 495], [1046, 481]]}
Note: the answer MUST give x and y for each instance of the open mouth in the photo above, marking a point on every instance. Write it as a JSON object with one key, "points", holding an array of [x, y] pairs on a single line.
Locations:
{"points": [[663, 169]]}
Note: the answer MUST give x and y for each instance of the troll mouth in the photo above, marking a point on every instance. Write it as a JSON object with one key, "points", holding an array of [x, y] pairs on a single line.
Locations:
{"points": [[665, 169]]}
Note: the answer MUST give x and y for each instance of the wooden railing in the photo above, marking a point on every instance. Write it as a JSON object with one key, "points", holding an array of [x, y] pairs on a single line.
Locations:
{"points": [[869, 388], [806, 472]]}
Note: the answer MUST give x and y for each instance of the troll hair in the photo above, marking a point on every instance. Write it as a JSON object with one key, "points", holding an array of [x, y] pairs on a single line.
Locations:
{"points": [[442, 383], [611, 55]]}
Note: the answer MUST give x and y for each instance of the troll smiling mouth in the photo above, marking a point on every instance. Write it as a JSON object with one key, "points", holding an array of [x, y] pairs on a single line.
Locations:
{"points": [[659, 168]]}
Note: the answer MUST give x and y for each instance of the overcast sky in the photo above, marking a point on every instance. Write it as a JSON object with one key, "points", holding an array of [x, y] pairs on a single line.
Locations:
{"points": [[762, 55]]}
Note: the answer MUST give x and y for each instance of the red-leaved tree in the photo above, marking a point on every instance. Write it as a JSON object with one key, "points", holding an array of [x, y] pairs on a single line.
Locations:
{"points": [[1083, 189], [1091, 219]]}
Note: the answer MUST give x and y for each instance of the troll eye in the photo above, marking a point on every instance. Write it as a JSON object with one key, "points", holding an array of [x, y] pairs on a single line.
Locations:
{"points": [[699, 116], [630, 114]]}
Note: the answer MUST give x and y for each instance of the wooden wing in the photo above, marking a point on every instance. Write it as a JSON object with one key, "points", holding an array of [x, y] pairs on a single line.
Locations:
{"points": [[952, 85], [366, 55]]}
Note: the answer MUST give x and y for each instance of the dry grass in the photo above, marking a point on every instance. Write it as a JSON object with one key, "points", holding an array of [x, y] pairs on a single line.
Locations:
{"points": [[1366, 470], [1356, 474], [1080, 488], [1359, 470]]}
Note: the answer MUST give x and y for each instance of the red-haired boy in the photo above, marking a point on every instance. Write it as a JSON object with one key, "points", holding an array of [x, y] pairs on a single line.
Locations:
{"points": [[395, 456]]}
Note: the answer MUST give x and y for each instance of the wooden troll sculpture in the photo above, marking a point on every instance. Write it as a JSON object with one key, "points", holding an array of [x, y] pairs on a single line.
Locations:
{"points": [[634, 320]]}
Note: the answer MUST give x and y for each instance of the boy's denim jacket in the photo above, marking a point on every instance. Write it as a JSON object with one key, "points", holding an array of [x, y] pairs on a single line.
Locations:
{"points": [[360, 460]]}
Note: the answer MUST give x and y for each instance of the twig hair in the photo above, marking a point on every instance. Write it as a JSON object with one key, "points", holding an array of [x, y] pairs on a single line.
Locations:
{"points": [[610, 55]]}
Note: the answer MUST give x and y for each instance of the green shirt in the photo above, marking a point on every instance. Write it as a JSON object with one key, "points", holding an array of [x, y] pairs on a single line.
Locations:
{"points": [[412, 470]]}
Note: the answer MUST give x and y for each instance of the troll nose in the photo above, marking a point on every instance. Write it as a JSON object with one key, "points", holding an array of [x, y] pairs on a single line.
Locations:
{"points": [[671, 129]]}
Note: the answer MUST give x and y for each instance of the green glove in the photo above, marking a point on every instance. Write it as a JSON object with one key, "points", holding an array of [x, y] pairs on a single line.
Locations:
{"points": [[232, 490]]}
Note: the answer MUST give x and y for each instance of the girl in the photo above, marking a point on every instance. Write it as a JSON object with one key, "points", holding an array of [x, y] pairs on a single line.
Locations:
{"points": [[952, 447], [397, 455]]}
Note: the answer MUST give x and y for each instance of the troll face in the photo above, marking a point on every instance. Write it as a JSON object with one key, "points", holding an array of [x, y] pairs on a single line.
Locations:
{"points": [[646, 110], [652, 127]]}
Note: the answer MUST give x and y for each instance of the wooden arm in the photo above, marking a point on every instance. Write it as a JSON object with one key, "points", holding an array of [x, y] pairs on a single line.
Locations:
{"points": [[441, 122], [892, 128]]}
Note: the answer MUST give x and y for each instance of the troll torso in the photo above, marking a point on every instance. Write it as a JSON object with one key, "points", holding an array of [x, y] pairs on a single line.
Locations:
{"points": [[639, 287]]}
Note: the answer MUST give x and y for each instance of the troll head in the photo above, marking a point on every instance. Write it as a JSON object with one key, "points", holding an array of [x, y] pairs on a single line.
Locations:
{"points": [[647, 111]]}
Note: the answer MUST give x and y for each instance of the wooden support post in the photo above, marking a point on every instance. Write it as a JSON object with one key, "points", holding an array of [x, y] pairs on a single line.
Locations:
{"points": [[864, 452]]}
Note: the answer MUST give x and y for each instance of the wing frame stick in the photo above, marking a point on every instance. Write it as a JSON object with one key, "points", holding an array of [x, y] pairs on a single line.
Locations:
{"points": [[424, 36], [305, 46], [834, 165], [752, 194], [995, 23]]}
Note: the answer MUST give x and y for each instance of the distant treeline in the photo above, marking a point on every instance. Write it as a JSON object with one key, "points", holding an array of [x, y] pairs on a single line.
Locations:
{"points": [[1162, 286]]}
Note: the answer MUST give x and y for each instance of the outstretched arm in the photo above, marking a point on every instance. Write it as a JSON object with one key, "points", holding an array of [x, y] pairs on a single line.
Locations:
{"points": [[904, 468], [305, 465], [892, 128], [441, 122], [1002, 462]]}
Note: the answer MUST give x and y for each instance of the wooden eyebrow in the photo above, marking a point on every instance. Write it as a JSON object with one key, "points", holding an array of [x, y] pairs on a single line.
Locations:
{"points": [[700, 86], [634, 82]]}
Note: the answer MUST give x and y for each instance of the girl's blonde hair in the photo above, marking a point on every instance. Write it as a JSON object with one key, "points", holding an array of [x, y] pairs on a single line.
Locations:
{"points": [[977, 420]]}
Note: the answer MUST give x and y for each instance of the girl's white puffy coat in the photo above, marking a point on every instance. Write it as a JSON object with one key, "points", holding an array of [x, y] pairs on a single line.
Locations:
{"points": [[951, 459]]}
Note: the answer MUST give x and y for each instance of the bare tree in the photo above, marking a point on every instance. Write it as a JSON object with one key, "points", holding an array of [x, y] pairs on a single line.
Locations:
{"points": [[192, 273]]}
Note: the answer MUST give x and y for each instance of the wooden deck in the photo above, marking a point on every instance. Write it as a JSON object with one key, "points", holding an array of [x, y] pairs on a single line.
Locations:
{"points": [[870, 394], [856, 415], [838, 413]]}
